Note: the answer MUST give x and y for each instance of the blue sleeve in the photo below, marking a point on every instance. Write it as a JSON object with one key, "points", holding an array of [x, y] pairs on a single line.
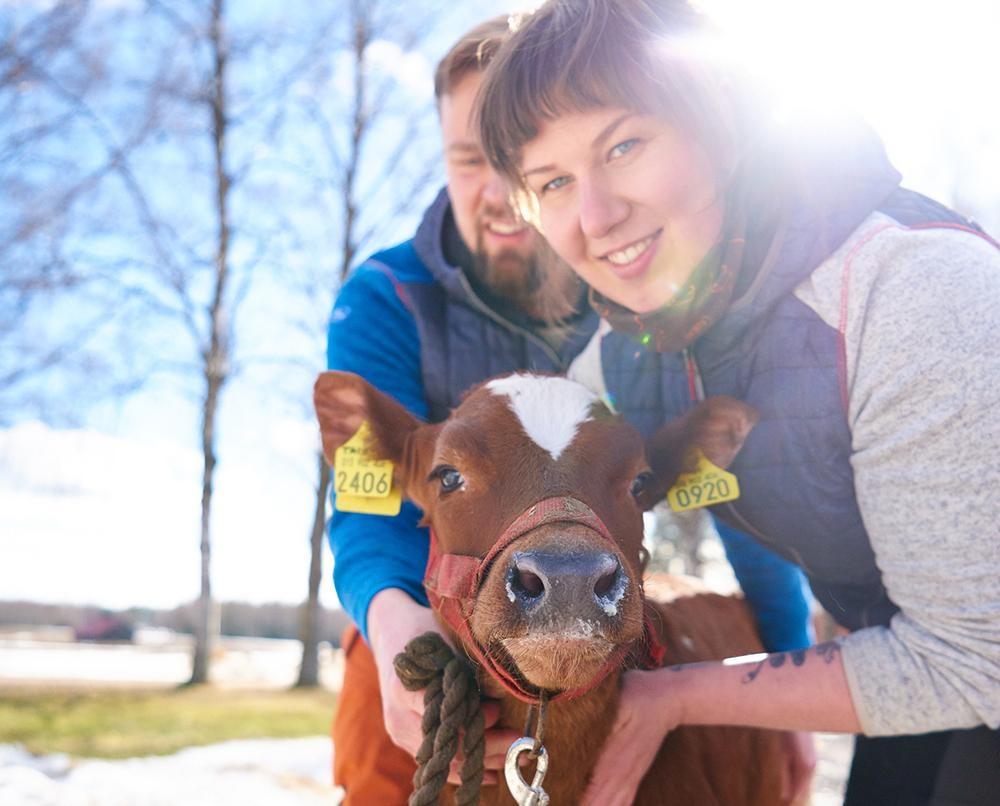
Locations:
{"points": [[373, 334], [774, 588]]}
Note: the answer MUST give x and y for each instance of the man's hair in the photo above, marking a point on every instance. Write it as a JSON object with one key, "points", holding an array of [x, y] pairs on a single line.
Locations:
{"points": [[470, 54], [579, 55]]}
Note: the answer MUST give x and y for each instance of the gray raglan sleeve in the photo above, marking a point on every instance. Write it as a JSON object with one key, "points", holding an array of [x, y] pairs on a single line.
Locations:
{"points": [[922, 341]]}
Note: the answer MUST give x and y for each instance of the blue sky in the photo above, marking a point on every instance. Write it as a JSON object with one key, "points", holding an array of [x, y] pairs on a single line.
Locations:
{"points": [[107, 513]]}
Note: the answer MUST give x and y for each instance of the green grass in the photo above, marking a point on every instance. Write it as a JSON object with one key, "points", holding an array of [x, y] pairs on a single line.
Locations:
{"points": [[118, 723]]}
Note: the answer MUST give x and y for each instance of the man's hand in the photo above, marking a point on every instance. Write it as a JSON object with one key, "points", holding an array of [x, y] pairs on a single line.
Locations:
{"points": [[394, 619], [800, 763], [646, 714]]}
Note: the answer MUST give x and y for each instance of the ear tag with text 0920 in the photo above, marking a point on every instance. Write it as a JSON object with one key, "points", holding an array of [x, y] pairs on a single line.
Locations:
{"points": [[362, 482], [704, 486]]}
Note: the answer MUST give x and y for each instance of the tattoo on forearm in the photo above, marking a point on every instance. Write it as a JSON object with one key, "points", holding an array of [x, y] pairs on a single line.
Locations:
{"points": [[683, 667], [827, 652]]}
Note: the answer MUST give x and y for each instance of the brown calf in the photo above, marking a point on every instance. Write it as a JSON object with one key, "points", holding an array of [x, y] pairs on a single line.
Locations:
{"points": [[535, 494]]}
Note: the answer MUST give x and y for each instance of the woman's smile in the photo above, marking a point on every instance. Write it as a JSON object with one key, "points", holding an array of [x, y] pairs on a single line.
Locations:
{"points": [[633, 260]]}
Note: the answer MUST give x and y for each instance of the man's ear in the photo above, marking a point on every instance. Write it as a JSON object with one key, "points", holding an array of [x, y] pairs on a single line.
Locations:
{"points": [[718, 426], [343, 401]]}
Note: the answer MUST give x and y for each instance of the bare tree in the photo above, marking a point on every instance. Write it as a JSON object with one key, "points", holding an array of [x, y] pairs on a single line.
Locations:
{"points": [[207, 287], [373, 141], [92, 132], [215, 355], [157, 121], [185, 272]]}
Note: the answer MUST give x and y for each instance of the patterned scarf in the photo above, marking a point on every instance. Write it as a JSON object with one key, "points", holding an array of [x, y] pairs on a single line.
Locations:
{"points": [[696, 306]]}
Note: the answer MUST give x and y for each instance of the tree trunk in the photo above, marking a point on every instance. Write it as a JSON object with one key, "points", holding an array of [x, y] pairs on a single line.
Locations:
{"points": [[216, 356], [309, 670], [204, 631]]}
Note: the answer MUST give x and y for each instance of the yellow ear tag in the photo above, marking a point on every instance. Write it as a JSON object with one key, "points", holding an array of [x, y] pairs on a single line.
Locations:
{"points": [[363, 483], [706, 485]]}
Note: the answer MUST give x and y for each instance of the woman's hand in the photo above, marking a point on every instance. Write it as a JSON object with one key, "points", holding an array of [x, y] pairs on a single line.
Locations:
{"points": [[647, 711]]}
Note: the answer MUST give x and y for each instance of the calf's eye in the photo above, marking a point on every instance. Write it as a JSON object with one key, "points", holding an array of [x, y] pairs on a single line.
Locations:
{"points": [[640, 483], [449, 478]]}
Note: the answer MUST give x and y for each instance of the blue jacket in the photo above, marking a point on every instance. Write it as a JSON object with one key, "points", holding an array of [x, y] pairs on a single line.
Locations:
{"points": [[409, 322]]}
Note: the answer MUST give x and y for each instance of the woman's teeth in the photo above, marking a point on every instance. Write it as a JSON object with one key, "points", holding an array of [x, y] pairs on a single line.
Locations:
{"points": [[630, 253]]}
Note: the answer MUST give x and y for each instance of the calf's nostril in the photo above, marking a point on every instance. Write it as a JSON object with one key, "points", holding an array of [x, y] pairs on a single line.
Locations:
{"points": [[528, 583], [609, 589], [604, 583]]}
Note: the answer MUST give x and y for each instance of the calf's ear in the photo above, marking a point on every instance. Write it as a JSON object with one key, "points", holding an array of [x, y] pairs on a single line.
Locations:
{"points": [[344, 400], [717, 426]]}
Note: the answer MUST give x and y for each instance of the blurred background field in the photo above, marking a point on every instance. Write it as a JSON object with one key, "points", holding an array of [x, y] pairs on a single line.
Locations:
{"points": [[122, 698], [127, 722]]}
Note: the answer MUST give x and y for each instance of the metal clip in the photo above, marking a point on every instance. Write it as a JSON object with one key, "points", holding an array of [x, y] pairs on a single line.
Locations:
{"points": [[526, 795]]}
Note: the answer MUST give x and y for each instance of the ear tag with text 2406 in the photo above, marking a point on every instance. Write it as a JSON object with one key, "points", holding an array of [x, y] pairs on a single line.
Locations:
{"points": [[704, 486], [362, 482]]}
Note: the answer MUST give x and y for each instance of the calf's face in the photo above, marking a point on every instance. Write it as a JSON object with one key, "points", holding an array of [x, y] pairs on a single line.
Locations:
{"points": [[556, 603]]}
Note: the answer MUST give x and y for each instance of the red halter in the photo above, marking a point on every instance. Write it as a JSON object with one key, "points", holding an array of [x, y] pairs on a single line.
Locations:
{"points": [[453, 582]]}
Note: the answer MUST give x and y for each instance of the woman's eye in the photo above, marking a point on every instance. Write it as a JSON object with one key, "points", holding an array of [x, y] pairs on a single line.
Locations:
{"points": [[449, 478], [623, 148], [555, 184], [640, 483]]}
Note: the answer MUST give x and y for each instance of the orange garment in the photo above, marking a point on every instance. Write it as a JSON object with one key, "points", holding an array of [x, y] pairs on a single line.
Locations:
{"points": [[366, 763]]}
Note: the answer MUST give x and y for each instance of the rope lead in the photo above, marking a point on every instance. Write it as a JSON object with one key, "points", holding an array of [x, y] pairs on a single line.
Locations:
{"points": [[451, 707]]}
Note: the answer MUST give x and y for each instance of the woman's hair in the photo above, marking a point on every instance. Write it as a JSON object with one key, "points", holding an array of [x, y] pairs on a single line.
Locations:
{"points": [[578, 55]]}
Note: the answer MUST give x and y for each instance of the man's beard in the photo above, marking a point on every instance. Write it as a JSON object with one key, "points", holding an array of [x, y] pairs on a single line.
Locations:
{"points": [[538, 285], [508, 274]]}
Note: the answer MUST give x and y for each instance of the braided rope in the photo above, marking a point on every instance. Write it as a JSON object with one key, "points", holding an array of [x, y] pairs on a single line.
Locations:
{"points": [[451, 707]]}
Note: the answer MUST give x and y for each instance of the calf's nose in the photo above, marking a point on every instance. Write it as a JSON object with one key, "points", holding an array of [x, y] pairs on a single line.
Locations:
{"points": [[571, 584]]}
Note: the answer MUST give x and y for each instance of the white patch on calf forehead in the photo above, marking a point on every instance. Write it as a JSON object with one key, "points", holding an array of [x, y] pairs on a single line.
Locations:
{"points": [[551, 410]]}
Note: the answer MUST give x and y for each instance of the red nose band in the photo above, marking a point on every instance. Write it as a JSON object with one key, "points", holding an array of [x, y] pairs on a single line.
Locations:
{"points": [[458, 576], [453, 582]]}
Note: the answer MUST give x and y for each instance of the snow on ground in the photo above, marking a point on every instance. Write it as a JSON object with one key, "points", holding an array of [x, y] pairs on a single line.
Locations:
{"points": [[157, 658], [263, 772], [260, 772]]}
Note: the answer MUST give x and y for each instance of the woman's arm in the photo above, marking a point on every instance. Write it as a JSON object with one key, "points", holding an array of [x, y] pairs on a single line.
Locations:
{"points": [[803, 689]]}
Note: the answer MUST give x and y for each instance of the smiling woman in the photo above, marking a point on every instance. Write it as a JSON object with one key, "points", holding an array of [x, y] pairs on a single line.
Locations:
{"points": [[788, 269]]}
